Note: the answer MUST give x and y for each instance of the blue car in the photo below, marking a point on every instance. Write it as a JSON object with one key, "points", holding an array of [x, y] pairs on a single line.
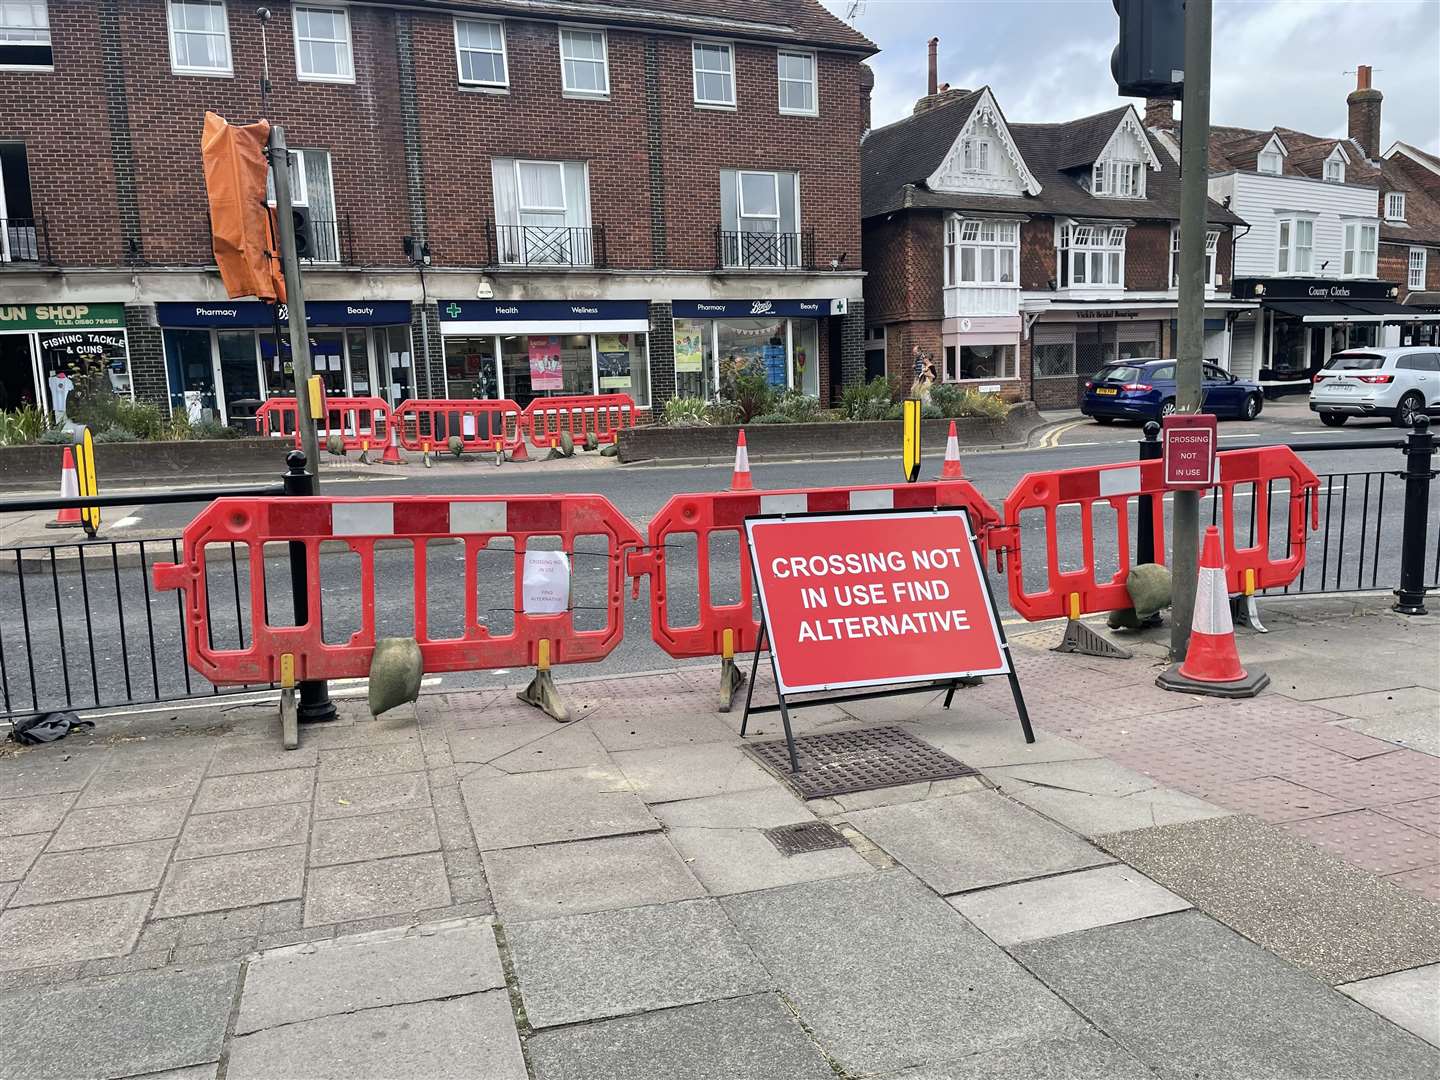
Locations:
{"points": [[1145, 390]]}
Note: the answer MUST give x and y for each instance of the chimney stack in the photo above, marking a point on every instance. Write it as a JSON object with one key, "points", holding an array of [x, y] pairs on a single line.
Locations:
{"points": [[1364, 102], [935, 75], [867, 86], [1160, 113]]}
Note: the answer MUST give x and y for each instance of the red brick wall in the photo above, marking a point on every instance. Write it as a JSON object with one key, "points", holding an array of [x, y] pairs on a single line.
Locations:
{"points": [[1394, 265], [904, 274]]}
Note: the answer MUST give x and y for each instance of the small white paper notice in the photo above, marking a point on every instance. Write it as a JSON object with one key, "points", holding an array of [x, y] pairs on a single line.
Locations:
{"points": [[546, 584], [467, 426]]}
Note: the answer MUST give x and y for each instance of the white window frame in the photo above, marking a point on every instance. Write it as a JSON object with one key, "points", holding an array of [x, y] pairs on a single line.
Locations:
{"points": [[1336, 167], [1394, 206], [1079, 244], [1417, 267], [975, 156], [348, 40], [695, 70], [577, 92], [504, 54], [981, 235], [178, 68], [48, 42], [1118, 179], [299, 194], [1361, 260], [1212, 249], [536, 208], [1289, 250], [1270, 163], [781, 80], [740, 215]]}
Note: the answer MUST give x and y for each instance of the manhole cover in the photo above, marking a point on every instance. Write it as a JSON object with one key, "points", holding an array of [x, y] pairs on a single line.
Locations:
{"points": [[841, 762], [807, 836]]}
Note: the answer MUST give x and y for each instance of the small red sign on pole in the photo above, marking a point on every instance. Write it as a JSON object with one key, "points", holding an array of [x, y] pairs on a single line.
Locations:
{"points": [[1189, 441]]}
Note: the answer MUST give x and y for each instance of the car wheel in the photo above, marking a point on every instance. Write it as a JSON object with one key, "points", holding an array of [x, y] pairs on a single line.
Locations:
{"points": [[1104, 419], [1167, 407], [1411, 406], [1252, 407], [1333, 419]]}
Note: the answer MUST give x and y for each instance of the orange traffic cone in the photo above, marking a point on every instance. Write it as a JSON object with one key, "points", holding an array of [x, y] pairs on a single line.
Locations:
{"points": [[1212, 663], [391, 456], [952, 470], [69, 516], [740, 479], [519, 451]]}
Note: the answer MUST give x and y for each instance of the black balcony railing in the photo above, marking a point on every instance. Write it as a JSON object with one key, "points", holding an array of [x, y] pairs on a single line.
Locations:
{"points": [[332, 240], [24, 240], [545, 245], [764, 250]]}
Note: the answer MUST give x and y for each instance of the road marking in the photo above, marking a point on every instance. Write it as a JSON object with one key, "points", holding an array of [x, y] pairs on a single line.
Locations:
{"points": [[126, 522], [1052, 437], [1241, 435]]}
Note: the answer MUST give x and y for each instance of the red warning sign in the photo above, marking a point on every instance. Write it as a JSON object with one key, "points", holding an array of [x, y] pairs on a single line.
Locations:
{"points": [[1189, 441], [870, 599]]}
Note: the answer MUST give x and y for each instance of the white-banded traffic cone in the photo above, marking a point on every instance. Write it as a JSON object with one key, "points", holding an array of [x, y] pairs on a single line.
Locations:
{"points": [[1212, 662], [67, 517], [952, 470], [740, 478]]}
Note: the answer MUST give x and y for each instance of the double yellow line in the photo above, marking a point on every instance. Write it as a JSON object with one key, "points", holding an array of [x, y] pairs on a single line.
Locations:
{"points": [[1051, 438]]}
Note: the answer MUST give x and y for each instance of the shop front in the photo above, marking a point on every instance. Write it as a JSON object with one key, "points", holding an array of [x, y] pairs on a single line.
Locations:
{"points": [[223, 359], [56, 349], [981, 347], [527, 349], [781, 338]]}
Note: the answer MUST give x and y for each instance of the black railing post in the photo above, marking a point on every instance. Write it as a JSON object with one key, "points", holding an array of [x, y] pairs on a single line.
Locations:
{"points": [[315, 704], [44, 246], [1419, 453], [1150, 449]]}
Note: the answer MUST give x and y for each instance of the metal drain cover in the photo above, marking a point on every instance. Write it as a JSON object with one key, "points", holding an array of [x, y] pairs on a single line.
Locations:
{"points": [[841, 762], [804, 837]]}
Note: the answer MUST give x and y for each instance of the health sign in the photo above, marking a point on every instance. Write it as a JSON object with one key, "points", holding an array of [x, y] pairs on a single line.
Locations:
{"points": [[874, 599], [1189, 453]]}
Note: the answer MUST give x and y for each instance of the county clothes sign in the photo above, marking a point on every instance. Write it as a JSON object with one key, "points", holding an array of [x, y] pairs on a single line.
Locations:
{"points": [[852, 600]]}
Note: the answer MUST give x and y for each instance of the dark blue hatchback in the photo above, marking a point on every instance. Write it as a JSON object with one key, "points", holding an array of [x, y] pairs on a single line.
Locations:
{"points": [[1145, 390]]}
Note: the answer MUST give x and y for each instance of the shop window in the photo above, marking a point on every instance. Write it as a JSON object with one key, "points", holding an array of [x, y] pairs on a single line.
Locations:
{"points": [[1212, 247], [1055, 360], [981, 252], [622, 362], [542, 212], [239, 378], [277, 365], [470, 368], [199, 37], [1360, 249], [805, 355], [584, 67], [1295, 246], [1144, 349], [796, 75], [987, 362], [874, 352], [1416, 278], [394, 365], [544, 365], [785, 351], [192, 375], [25, 34], [480, 53], [760, 219], [322, 45], [19, 241], [694, 358], [714, 71], [1092, 256], [17, 373], [95, 358], [752, 345]]}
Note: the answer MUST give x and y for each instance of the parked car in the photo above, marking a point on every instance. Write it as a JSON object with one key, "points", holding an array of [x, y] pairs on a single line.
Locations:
{"points": [[1145, 390], [1397, 383]]}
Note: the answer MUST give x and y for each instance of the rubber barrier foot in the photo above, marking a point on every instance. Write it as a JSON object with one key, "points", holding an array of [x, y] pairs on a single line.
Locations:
{"points": [[544, 696], [1081, 639], [1250, 686], [731, 680], [1244, 612], [289, 720]]}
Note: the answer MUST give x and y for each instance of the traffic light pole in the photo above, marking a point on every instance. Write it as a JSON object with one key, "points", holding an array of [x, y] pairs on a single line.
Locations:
{"points": [[294, 302], [1194, 187]]}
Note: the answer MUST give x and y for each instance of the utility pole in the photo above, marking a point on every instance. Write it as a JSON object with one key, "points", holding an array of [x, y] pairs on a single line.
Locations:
{"points": [[294, 301], [1194, 193]]}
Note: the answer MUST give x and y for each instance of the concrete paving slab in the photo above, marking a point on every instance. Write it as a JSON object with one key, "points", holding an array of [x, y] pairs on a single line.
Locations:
{"points": [[230, 881], [36, 814], [371, 795], [193, 1072], [149, 783], [1087, 1055], [102, 825], [1066, 903], [888, 975], [1192, 998], [47, 770], [244, 830], [545, 808], [1408, 999], [132, 1023], [485, 742], [763, 808], [894, 796], [970, 841], [1096, 776], [75, 875], [670, 720], [573, 746], [390, 967], [458, 1039], [77, 930], [588, 875], [1306, 905], [996, 741], [260, 755], [1095, 815], [1417, 730], [614, 963], [741, 860], [7, 890], [691, 772], [1371, 841], [374, 836], [349, 762], [754, 1038], [17, 853], [406, 885], [248, 790]]}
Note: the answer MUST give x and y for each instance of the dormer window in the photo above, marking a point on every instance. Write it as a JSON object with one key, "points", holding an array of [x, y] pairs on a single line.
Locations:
{"points": [[1269, 163], [1118, 179], [975, 155], [1394, 206], [1335, 171]]}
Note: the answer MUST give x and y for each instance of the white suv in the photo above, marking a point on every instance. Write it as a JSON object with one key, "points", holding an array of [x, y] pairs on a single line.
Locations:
{"points": [[1399, 383]]}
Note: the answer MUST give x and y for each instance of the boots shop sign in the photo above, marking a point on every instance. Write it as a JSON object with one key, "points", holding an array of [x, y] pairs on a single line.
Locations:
{"points": [[60, 316]]}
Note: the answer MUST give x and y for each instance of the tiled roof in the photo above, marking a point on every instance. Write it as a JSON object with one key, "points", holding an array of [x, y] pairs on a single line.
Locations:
{"points": [[804, 22], [909, 150]]}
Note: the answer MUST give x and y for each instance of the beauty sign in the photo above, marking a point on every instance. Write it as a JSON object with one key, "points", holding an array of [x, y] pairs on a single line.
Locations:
{"points": [[545, 372], [871, 599]]}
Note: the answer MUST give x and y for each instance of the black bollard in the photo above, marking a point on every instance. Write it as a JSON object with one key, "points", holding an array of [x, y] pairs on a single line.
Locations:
{"points": [[315, 705]]}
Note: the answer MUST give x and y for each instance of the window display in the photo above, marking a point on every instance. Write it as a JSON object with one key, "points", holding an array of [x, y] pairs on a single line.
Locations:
{"points": [[694, 358], [708, 351], [470, 368], [78, 352], [543, 365], [987, 362]]}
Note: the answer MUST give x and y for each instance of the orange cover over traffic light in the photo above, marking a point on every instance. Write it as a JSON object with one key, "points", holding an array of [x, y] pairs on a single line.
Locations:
{"points": [[240, 222]]}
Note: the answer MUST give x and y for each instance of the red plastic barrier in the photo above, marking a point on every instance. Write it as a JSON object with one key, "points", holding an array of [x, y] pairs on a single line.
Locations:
{"points": [[361, 422], [601, 415], [722, 512], [479, 423], [1251, 472], [362, 524]]}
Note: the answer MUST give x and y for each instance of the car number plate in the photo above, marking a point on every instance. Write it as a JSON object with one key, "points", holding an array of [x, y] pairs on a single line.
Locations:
{"points": [[1107, 391]]}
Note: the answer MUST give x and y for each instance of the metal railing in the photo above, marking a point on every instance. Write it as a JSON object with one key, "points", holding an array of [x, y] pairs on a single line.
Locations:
{"points": [[24, 239], [545, 245], [334, 241], [764, 251]]}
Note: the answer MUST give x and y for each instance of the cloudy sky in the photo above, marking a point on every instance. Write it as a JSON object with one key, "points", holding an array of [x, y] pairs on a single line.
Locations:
{"points": [[1276, 62]]}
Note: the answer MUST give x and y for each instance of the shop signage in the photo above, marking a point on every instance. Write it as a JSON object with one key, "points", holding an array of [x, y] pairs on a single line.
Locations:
{"points": [[60, 316], [750, 309], [542, 310], [255, 314], [1189, 450], [1310, 289], [1107, 314]]}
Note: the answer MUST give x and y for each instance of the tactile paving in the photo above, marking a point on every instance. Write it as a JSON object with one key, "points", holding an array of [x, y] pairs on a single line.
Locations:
{"points": [[843, 762], [1371, 841], [1274, 799], [1422, 814]]}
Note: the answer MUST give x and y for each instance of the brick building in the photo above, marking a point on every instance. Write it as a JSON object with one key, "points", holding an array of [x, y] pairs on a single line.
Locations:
{"points": [[1023, 257], [505, 199]]}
